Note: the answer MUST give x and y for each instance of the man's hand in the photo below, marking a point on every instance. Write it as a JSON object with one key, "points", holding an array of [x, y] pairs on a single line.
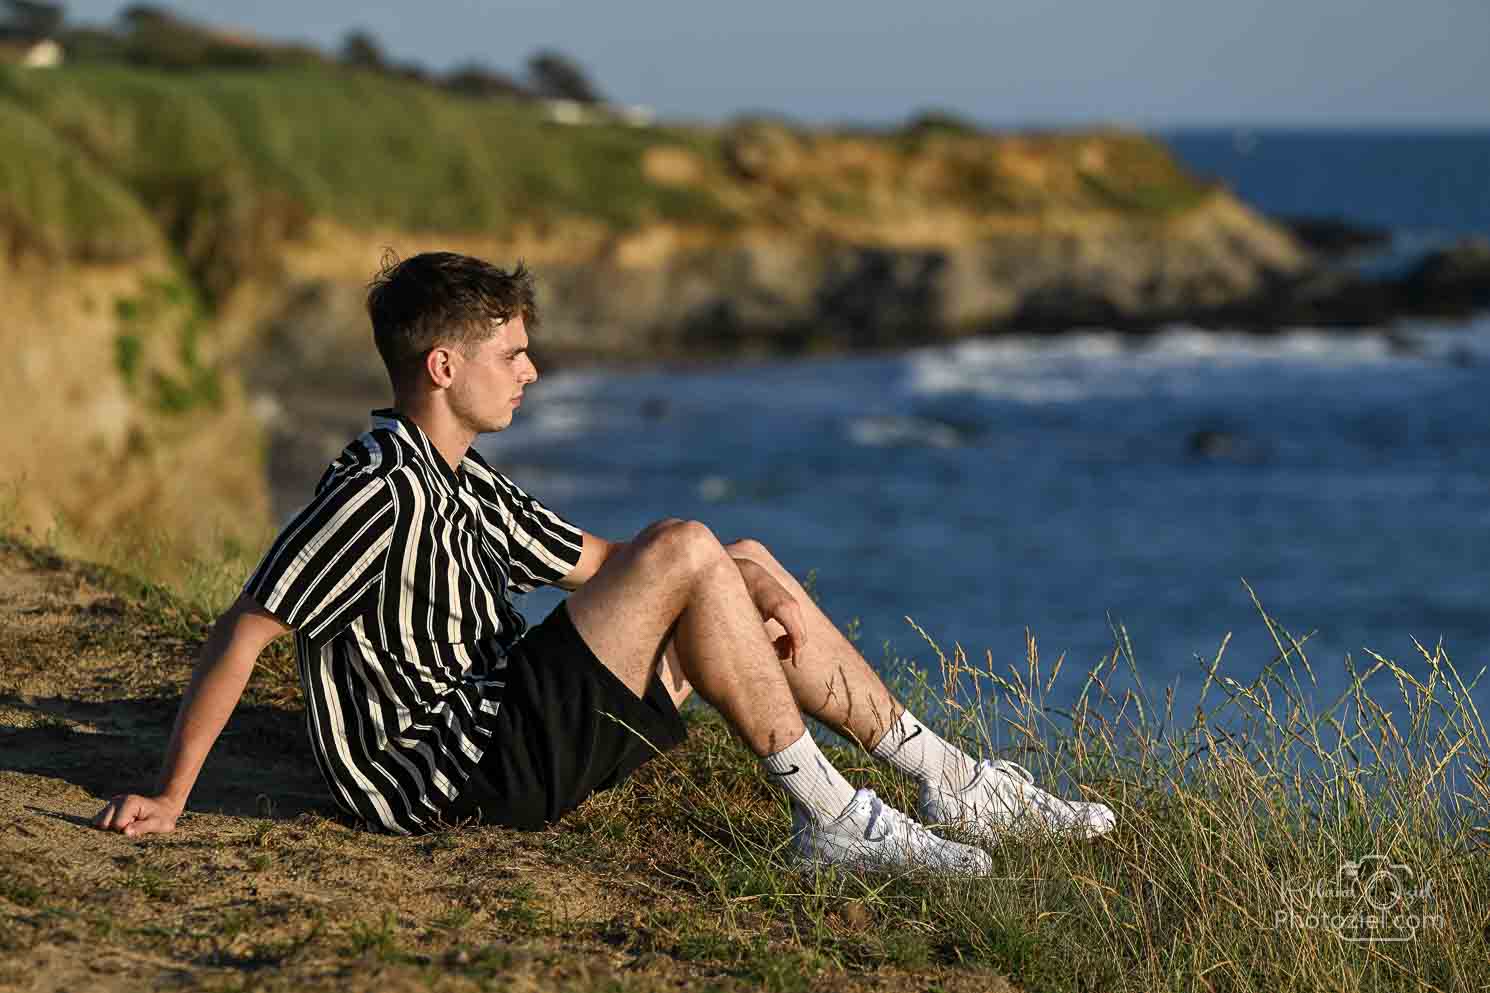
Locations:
{"points": [[775, 603], [222, 670], [134, 815]]}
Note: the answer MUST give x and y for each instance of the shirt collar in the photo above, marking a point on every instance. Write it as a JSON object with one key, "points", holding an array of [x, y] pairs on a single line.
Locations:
{"points": [[400, 424]]}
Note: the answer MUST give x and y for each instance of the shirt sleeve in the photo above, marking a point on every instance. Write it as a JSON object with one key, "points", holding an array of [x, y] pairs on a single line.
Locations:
{"points": [[319, 571], [543, 547]]}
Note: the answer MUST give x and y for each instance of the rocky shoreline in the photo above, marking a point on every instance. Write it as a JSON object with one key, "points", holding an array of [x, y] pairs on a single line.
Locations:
{"points": [[772, 299], [1221, 267], [1224, 268]]}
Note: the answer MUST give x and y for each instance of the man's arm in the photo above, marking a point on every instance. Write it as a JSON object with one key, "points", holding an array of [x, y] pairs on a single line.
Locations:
{"points": [[222, 670], [592, 556]]}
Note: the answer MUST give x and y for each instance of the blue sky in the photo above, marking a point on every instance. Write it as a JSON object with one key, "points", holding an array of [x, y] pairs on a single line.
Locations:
{"points": [[1148, 63]]}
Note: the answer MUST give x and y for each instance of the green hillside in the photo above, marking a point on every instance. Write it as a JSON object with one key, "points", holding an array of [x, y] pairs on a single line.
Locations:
{"points": [[223, 160]]}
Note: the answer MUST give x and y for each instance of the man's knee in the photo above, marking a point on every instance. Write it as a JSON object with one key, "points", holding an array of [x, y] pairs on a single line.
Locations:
{"points": [[657, 527], [678, 546]]}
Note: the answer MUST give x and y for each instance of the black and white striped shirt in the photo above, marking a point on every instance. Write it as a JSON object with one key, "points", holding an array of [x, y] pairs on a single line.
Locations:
{"points": [[396, 580]]}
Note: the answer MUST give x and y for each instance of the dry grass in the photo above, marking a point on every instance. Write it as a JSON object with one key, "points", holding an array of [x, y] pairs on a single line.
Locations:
{"points": [[679, 878]]}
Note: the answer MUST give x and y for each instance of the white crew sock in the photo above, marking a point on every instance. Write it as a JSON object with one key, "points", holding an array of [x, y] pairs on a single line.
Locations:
{"points": [[916, 750], [809, 778]]}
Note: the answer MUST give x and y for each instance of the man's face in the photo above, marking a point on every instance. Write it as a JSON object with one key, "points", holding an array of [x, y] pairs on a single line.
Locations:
{"points": [[490, 378]]}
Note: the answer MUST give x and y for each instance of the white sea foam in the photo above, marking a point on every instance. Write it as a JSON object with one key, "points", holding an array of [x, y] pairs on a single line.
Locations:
{"points": [[1081, 365], [560, 406], [558, 419], [886, 432], [715, 488]]}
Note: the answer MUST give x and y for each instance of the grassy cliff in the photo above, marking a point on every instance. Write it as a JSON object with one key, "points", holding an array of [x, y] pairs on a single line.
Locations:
{"points": [[221, 160]]}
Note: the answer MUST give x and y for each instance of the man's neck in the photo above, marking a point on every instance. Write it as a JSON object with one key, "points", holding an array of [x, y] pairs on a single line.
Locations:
{"points": [[450, 438]]}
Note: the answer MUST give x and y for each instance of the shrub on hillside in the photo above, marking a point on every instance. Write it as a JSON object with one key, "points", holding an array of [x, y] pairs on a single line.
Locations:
{"points": [[556, 76], [476, 80]]}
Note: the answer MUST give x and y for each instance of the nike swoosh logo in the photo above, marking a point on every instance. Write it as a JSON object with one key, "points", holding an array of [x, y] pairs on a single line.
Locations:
{"points": [[794, 769], [908, 737]]}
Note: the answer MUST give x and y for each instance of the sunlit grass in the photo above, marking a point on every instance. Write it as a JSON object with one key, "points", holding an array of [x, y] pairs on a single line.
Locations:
{"points": [[1231, 818]]}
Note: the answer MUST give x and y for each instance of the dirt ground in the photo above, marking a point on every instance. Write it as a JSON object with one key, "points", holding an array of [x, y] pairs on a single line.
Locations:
{"points": [[263, 886]]}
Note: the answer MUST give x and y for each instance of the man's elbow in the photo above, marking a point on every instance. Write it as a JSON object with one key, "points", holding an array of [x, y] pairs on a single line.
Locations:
{"points": [[248, 625], [594, 555]]}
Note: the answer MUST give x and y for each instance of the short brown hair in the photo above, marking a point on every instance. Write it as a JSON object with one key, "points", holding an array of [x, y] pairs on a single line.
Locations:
{"points": [[441, 298]]}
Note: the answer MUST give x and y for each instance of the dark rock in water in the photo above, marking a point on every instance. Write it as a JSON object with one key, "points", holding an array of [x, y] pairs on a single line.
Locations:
{"points": [[1222, 445], [1452, 281], [1403, 345], [654, 408], [1333, 237]]}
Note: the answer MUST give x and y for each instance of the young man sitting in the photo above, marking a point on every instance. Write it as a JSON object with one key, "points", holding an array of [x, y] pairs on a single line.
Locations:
{"points": [[427, 701]]}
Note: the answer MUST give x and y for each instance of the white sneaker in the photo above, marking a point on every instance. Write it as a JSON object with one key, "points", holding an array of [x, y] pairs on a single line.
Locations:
{"points": [[1002, 797], [870, 834]]}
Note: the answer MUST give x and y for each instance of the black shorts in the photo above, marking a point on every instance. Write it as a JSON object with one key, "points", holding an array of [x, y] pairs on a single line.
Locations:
{"points": [[552, 743]]}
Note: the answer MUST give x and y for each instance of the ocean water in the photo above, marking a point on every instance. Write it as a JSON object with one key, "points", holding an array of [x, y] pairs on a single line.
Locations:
{"points": [[1075, 487]]}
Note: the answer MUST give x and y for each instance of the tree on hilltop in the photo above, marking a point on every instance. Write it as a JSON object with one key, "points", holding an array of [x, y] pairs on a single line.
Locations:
{"points": [[558, 77], [30, 19], [145, 16], [359, 48], [476, 80]]}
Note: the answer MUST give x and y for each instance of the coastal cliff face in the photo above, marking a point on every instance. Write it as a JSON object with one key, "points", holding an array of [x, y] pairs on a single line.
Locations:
{"points": [[126, 436], [768, 292], [665, 292]]}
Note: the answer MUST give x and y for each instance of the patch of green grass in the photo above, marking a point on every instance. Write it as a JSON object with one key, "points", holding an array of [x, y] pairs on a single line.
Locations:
{"points": [[1142, 175], [19, 891], [454, 919], [785, 971], [378, 938], [517, 907], [180, 378], [127, 351], [153, 883], [59, 203]]}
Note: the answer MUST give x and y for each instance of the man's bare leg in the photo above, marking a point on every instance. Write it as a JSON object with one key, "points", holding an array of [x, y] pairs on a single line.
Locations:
{"points": [[829, 678], [675, 589], [674, 586], [834, 683]]}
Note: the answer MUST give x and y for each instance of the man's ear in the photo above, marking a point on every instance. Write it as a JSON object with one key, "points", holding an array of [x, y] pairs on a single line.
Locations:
{"points": [[439, 365]]}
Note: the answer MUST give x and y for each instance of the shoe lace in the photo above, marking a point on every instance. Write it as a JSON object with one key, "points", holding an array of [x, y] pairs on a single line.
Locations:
{"points": [[1050, 805], [888, 824]]}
